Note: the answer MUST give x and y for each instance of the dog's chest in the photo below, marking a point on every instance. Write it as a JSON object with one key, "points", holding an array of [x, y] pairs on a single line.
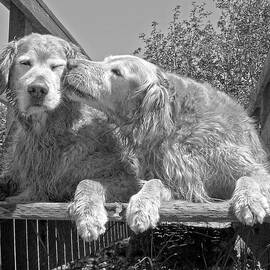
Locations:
{"points": [[35, 159]]}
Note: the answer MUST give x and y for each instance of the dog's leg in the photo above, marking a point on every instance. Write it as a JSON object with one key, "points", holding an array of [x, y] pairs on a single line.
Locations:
{"points": [[88, 209], [143, 208], [23, 197], [251, 198], [7, 187]]}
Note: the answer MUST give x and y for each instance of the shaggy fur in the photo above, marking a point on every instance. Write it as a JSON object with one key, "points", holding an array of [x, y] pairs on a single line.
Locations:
{"points": [[57, 142], [196, 140]]}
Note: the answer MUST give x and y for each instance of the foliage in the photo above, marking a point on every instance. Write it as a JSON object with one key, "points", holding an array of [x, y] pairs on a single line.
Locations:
{"points": [[228, 55]]}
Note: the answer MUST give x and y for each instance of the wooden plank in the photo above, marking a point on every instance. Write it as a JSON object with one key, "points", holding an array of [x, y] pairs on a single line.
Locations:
{"points": [[41, 16], [177, 211], [6, 3], [19, 26], [39, 19], [55, 21], [44, 21], [50, 211]]}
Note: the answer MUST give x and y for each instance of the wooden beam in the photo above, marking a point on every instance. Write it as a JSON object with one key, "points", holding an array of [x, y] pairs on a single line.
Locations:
{"points": [[19, 26], [175, 211], [50, 211], [41, 19], [6, 3]]}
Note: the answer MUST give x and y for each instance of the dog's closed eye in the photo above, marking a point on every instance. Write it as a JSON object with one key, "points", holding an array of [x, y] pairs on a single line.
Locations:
{"points": [[25, 63], [56, 66], [117, 72]]}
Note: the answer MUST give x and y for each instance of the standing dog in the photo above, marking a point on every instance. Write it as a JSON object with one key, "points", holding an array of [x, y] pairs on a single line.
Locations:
{"points": [[188, 140], [57, 142]]}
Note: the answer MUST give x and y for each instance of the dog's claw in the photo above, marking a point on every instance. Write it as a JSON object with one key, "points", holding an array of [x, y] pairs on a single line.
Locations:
{"points": [[250, 205], [90, 222], [142, 213]]}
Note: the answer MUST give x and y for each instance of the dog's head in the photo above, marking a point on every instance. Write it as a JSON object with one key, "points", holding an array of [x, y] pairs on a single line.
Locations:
{"points": [[30, 72], [128, 88]]}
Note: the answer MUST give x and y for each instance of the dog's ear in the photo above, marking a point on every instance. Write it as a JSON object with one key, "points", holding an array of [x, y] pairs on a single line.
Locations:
{"points": [[6, 60], [73, 51], [155, 110]]}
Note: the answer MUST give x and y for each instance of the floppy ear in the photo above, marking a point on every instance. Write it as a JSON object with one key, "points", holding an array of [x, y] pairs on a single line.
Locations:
{"points": [[73, 51], [155, 112], [6, 60]]}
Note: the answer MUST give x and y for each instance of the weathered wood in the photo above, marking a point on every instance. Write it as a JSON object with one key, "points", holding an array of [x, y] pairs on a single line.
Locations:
{"points": [[49, 211], [6, 3], [170, 211], [19, 25], [40, 17]]}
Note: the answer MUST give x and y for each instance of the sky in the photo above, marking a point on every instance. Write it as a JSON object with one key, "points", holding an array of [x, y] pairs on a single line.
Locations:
{"points": [[109, 27]]}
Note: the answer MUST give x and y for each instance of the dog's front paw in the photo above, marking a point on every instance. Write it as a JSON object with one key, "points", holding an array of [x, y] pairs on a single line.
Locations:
{"points": [[90, 220], [142, 213], [250, 202]]}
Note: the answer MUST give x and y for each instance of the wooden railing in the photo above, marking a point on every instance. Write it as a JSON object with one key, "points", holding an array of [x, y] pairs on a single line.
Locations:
{"points": [[173, 211]]}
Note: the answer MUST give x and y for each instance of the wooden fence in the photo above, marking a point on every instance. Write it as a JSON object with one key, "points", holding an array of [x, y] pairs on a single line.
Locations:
{"points": [[33, 244], [41, 236]]}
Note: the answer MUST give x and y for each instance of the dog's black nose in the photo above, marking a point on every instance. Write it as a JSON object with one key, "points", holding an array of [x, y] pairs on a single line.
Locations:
{"points": [[71, 64], [38, 90]]}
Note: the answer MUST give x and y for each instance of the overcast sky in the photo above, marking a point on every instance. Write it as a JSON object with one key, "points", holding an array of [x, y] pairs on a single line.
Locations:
{"points": [[107, 27]]}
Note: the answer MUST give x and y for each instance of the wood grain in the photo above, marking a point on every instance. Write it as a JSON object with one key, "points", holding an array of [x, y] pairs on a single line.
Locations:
{"points": [[174, 211]]}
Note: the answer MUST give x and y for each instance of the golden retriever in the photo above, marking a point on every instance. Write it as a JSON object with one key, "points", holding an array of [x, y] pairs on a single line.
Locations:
{"points": [[188, 140], [57, 142]]}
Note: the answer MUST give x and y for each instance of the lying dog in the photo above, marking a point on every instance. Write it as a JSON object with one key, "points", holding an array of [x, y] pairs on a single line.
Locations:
{"points": [[190, 141], [57, 142]]}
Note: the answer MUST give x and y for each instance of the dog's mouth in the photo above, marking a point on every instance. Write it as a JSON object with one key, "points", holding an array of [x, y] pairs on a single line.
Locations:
{"points": [[75, 93], [35, 111]]}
